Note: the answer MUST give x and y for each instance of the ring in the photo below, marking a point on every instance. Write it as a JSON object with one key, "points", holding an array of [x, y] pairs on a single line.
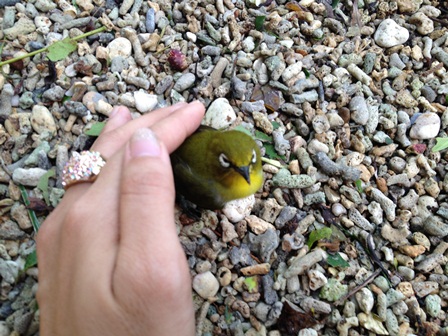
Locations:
{"points": [[82, 167]]}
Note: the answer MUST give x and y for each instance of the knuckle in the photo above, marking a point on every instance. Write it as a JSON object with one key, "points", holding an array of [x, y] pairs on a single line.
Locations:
{"points": [[142, 179]]}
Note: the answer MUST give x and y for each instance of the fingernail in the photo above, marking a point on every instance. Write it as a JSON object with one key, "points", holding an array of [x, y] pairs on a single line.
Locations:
{"points": [[114, 111], [179, 105], [196, 102], [144, 143]]}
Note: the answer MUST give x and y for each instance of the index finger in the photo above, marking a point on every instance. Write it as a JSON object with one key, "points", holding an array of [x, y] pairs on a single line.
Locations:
{"points": [[170, 126]]}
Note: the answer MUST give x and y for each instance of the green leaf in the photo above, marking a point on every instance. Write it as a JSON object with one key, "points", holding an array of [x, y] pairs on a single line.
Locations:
{"points": [[318, 235], [335, 3], [262, 136], [31, 213], [259, 21], [358, 184], [272, 153], [243, 129], [275, 124], [227, 315], [442, 143], [66, 98], [395, 263], [336, 260], [96, 129], [61, 49], [251, 284], [42, 185], [306, 72], [30, 260]]}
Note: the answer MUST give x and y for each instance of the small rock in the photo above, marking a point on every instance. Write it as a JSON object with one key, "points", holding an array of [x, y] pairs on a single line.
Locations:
{"points": [[42, 120], [237, 209], [228, 230], [257, 225], [372, 324], [96, 103], [359, 109], [184, 82], [20, 214], [206, 285], [9, 270], [424, 24], [28, 177], [22, 27], [300, 265], [145, 102], [9, 230], [333, 290], [264, 244], [365, 300], [426, 126], [390, 34], [423, 288], [120, 47], [433, 305], [284, 179], [269, 294], [219, 114]]}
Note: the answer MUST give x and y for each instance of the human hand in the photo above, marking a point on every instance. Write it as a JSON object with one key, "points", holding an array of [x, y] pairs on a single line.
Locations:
{"points": [[110, 262]]}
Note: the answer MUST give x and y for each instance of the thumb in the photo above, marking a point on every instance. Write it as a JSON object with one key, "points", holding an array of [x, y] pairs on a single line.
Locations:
{"points": [[146, 194]]}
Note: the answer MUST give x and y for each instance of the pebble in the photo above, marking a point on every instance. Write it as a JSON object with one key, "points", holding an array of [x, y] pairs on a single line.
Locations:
{"points": [[42, 120], [359, 110], [119, 47], [96, 103], [285, 179], [145, 102], [390, 34], [184, 82], [300, 264], [426, 126], [206, 285], [23, 26], [433, 305], [10, 230], [220, 114], [423, 288], [228, 230], [28, 176]]}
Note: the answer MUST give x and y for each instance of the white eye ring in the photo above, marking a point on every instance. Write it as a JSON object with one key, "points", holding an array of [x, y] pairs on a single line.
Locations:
{"points": [[254, 156], [224, 161]]}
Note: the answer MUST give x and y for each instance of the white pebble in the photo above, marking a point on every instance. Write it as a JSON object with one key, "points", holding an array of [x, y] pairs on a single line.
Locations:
{"points": [[119, 47], [219, 114], [144, 102], [390, 34], [237, 209], [426, 126], [206, 285]]}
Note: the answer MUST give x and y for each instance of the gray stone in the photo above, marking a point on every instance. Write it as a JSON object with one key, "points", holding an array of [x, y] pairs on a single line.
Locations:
{"points": [[184, 82], [28, 177]]}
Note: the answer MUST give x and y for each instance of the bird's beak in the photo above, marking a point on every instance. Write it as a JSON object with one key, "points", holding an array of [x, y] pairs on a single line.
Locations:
{"points": [[244, 171]]}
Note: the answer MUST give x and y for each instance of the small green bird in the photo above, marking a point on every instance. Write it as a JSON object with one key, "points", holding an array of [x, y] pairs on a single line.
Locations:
{"points": [[213, 167]]}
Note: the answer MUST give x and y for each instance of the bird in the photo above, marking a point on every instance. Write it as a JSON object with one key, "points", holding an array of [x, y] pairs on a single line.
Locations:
{"points": [[213, 167]]}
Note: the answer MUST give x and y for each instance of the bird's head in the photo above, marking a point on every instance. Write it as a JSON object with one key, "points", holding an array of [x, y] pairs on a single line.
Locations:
{"points": [[238, 160]]}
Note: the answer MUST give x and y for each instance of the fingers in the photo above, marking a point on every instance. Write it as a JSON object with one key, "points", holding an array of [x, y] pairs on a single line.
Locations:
{"points": [[184, 119], [146, 194], [119, 116]]}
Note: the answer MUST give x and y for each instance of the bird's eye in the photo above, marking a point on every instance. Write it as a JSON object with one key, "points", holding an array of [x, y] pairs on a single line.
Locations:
{"points": [[224, 161], [254, 156]]}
